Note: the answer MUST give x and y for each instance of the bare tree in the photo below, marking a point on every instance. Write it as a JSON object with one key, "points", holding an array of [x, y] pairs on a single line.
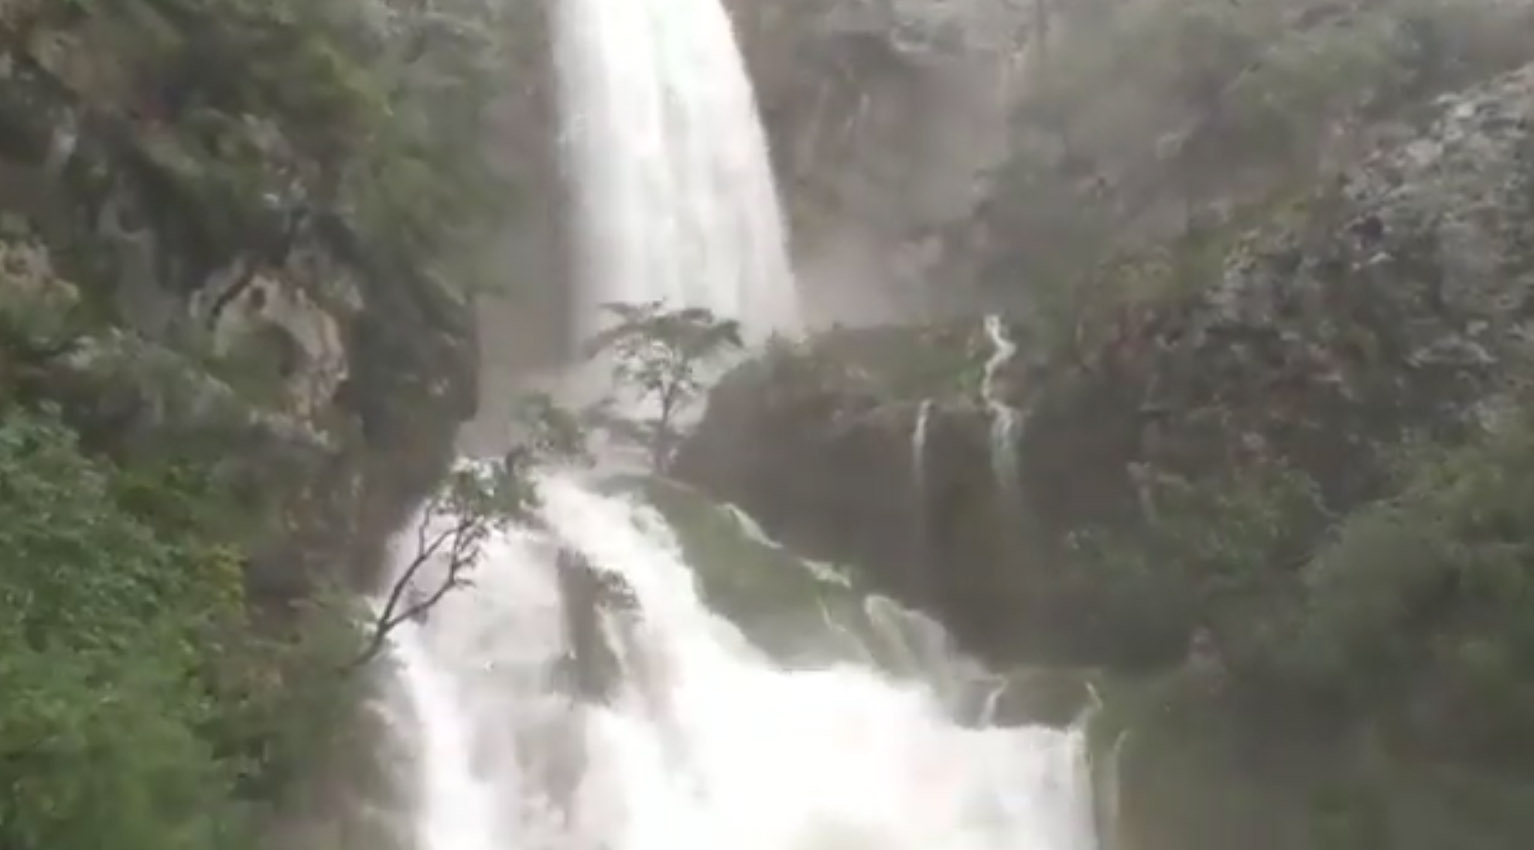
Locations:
{"points": [[476, 500]]}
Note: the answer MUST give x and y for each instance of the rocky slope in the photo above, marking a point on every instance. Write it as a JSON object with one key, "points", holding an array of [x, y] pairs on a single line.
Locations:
{"points": [[1215, 446], [883, 118], [211, 283], [937, 157], [1386, 303]]}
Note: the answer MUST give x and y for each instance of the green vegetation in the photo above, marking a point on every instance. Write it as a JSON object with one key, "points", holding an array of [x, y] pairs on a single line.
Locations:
{"points": [[660, 357], [1217, 553], [1154, 133], [237, 125], [175, 524], [1258, 81], [473, 503], [141, 710], [1369, 682], [1419, 607]]}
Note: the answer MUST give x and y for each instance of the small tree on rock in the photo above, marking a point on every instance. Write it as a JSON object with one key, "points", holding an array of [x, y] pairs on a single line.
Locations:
{"points": [[659, 360]]}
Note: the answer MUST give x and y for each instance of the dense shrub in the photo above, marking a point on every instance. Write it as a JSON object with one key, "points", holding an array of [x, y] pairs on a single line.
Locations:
{"points": [[1420, 609], [141, 711], [103, 641]]}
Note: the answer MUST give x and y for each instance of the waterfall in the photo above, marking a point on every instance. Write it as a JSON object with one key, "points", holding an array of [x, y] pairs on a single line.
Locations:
{"points": [[704, 741], [674, 199], [707, 742], [1004, 417]]}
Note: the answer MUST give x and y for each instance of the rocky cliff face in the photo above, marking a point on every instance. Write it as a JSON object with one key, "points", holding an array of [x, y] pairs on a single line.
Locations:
{"points": [[236, 260], [937, 157], [884, 119], [207, 286], [1388, 303], [1210, 495]]}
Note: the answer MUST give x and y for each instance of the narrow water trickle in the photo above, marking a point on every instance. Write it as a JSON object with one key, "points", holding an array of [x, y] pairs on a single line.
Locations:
{"points": [[1005, 418], [919, 450], [921, 539]]}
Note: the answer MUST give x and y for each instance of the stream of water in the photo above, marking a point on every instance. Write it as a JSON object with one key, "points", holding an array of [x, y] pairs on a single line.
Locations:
{"points": [[705, 742], [1004, 417], [675, 198]]}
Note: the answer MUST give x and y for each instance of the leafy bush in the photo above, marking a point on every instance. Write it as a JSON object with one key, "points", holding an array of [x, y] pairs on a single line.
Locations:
{"points": [[1421, 605], [1219, 552], [102, 626], [1389, 700], [141, 708], [245, 111]]}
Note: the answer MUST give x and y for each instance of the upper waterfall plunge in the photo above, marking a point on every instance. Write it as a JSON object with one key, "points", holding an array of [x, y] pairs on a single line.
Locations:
{"points": [[675, 199]]}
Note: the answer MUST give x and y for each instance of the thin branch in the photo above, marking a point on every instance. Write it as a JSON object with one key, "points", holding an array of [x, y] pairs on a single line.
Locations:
{"points": [[460, 539], [424, 554]]}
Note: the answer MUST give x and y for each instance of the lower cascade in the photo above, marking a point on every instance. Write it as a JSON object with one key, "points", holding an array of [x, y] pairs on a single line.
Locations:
{"points": [[705, 741]]}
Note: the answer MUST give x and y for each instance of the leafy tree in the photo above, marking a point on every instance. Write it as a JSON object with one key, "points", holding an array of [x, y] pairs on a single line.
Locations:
{"points": [[547, 432], [659, 359], [477, 500]]}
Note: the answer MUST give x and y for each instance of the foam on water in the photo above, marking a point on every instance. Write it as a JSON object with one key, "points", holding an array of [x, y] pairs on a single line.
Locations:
{"points": [[707, 743]]}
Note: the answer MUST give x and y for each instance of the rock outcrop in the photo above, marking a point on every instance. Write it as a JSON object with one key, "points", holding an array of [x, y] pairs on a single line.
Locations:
{"points": [[1391, 303], [939, 157], [1293, 648], [217, 293], [884, 119]]}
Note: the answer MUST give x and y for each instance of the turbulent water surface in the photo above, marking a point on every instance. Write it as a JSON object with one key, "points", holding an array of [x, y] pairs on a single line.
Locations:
{"points": [[706, 743]]}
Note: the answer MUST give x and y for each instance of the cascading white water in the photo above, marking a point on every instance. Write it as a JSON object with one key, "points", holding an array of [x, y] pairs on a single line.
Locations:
{"points": [[675, 199], [1004, 417], [706, 743]]}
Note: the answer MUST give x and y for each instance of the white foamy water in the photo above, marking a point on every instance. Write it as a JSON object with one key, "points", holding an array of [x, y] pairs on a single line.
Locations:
{"points": [[675, 198], [707, 743]]}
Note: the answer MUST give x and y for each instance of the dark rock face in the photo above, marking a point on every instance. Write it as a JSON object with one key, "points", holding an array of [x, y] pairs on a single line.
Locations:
{"points": [[883, 118], [230, 306], [940, 156], [837, 476], [1392, 303], [594, 673]]}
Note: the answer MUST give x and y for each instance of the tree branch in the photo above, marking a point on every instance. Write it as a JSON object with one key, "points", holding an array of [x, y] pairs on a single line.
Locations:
{"points": [[462, 552]]}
